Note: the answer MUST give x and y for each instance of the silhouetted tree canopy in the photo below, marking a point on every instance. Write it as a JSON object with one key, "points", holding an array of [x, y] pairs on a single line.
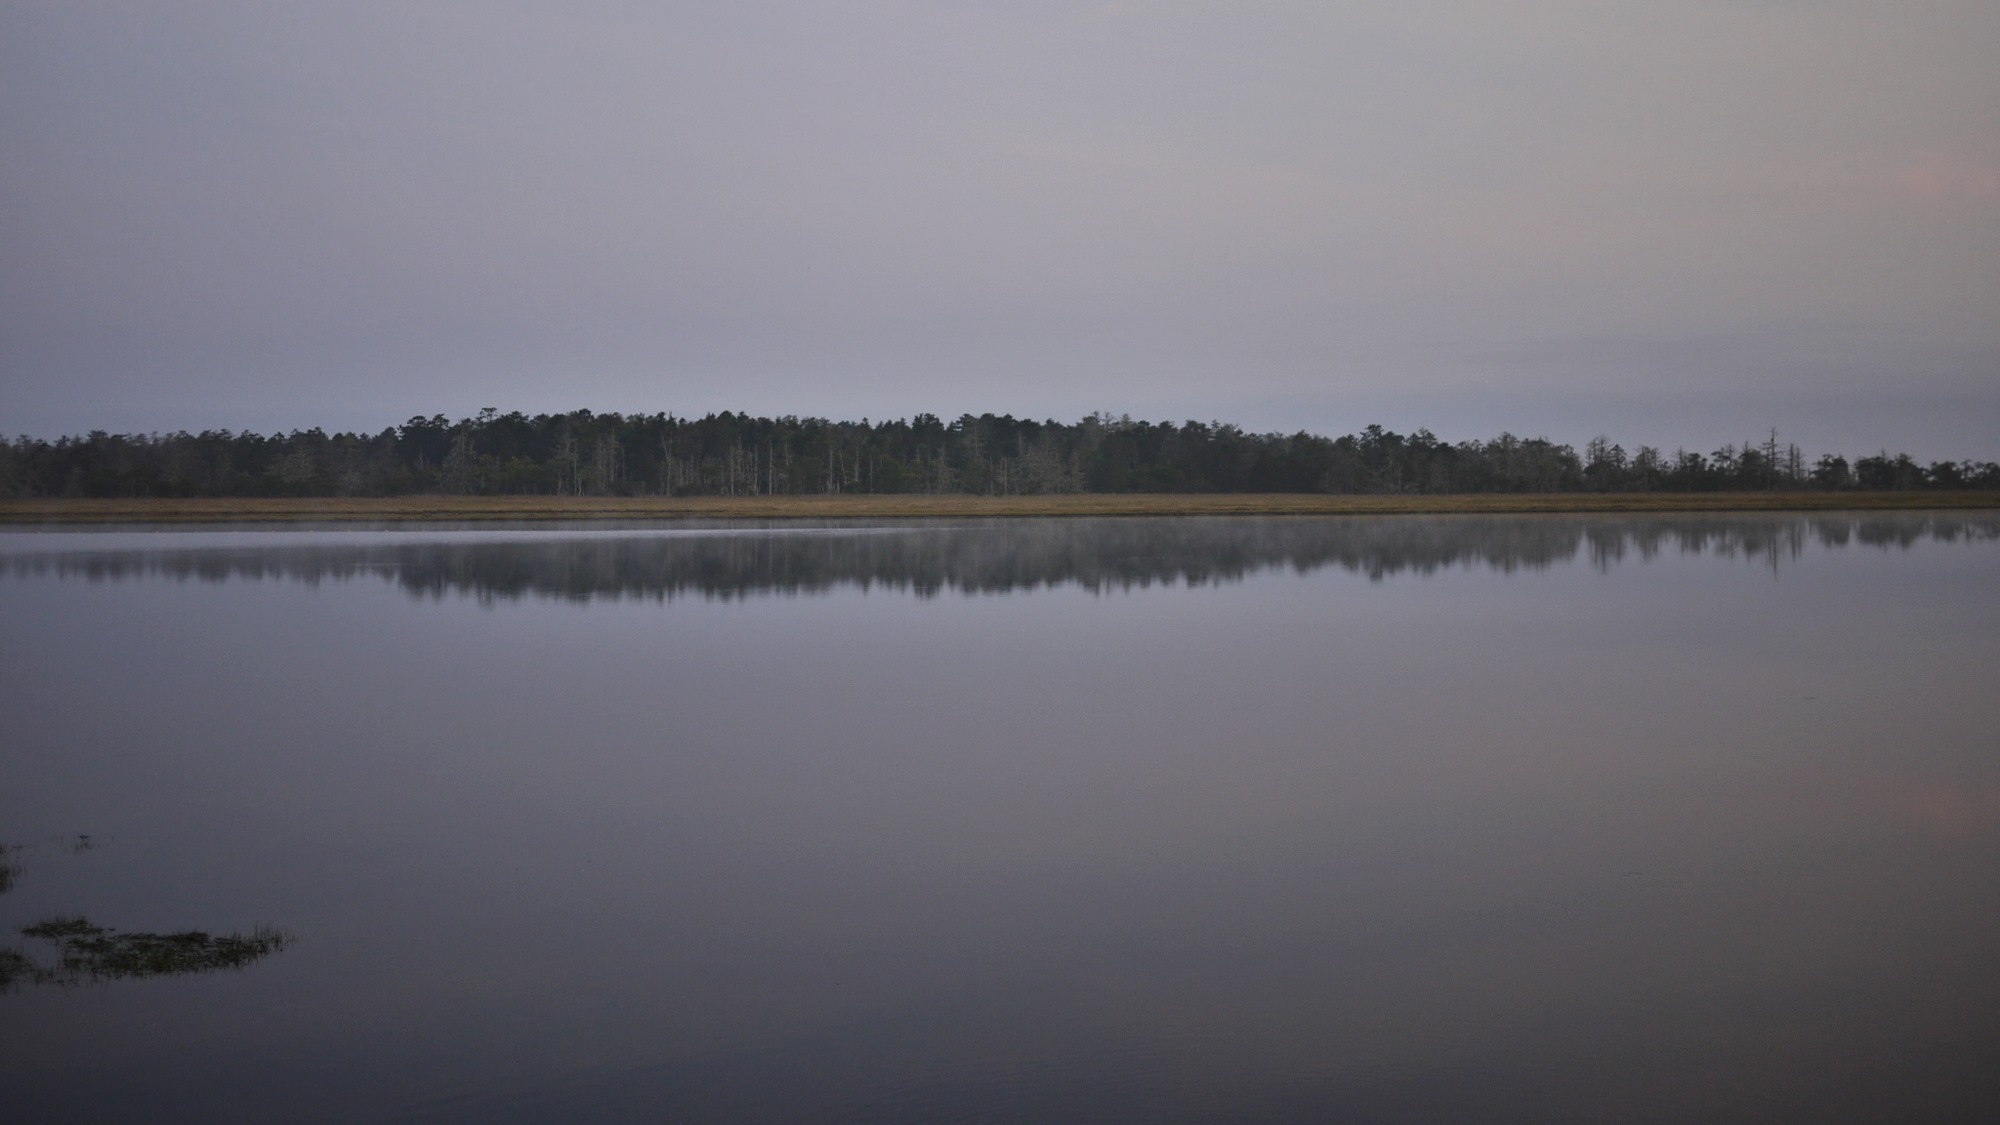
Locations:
{"points": [[582, 453]]}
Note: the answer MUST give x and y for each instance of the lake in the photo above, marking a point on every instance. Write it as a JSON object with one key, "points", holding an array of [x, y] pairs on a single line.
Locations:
{"points": [[1374, 819]]}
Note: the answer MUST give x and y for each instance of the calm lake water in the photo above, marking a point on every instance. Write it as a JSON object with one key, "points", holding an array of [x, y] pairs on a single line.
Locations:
{"points": [[1376, 819]]}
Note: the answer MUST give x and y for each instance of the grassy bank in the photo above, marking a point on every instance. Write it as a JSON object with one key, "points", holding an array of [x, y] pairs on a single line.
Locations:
{"points": [[60, 511]]}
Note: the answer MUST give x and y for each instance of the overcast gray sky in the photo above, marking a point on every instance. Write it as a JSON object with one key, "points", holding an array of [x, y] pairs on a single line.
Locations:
{"points": [[1676, 222]]}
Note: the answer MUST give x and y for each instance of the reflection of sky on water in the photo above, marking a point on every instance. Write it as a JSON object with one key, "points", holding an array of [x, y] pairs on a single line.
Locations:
{"points": [[1392, 820]]}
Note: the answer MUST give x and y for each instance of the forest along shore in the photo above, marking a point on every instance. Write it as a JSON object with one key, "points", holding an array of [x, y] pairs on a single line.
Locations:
{"points": [[914, 506]]}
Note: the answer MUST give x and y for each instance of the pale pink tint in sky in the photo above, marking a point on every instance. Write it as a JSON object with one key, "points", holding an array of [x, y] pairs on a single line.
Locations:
{"points": [[1941, 177], [1678, 224]]}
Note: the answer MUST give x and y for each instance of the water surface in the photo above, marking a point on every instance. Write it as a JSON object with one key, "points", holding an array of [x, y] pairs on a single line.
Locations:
{"points": [[1365, 819]]}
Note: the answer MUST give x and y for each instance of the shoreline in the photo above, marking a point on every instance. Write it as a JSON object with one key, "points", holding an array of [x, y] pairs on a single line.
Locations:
{"points": [[919, 506]]}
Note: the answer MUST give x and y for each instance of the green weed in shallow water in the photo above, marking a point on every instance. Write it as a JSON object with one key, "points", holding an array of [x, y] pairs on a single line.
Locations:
{"points": [[87, 953]]}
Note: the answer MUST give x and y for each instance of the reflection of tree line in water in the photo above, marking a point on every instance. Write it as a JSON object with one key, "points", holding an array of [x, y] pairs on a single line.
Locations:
{"points": [[997, 556], [78, 951]]}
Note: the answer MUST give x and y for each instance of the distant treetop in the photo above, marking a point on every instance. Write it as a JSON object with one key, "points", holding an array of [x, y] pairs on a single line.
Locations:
{"points": [[583, 453]]}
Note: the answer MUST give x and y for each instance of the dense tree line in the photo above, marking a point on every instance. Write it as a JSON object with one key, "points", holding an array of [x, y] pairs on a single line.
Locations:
{"points": [[582, 453]]}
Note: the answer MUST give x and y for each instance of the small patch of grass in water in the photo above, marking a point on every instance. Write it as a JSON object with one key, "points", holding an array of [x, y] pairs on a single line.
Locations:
{"points": [[87, 953]]}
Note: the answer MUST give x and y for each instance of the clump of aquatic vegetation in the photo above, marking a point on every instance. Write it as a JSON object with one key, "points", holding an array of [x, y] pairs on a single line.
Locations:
{"points": [[85, 952], [79, 951]]}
